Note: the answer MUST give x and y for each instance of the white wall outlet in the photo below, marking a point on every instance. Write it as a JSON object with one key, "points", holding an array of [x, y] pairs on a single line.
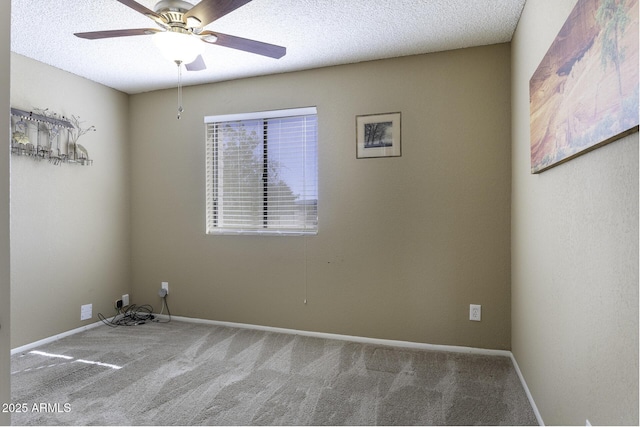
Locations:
{"points": [[165, 286], [475, 312], [125, 299], [86, 311]]}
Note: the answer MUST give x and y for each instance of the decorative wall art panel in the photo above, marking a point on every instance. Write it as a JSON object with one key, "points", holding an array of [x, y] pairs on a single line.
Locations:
{"points": [[584, 93], [378, 135], [45, 135]]}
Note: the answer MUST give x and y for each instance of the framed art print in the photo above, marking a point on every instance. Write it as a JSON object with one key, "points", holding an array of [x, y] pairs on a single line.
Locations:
{"points": [[378, 135], [584, 93]]}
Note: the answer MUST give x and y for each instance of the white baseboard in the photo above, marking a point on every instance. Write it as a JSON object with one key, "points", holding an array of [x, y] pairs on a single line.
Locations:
{"points": [[51, 339], [363, 340], [526, 390]]}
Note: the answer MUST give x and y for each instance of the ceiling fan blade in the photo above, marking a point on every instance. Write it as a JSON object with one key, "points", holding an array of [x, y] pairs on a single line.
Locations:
{"points": [[197, 64], [247, 45], [208, 11], [142, 9], [93, 35]]}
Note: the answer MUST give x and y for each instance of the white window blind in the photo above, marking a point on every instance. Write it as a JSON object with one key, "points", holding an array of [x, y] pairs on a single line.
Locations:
{"points": [[262, 173]]}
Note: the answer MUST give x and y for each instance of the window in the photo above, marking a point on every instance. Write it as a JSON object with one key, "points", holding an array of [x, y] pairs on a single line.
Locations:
{"points": [[262, 173]]}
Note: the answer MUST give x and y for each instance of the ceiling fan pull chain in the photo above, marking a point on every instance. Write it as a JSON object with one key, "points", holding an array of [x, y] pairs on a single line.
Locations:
{"points": [[180, 109]]}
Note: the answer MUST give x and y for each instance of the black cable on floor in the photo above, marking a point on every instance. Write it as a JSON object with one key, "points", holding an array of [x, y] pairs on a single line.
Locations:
{"points": [[130, 315], [133, 315]]}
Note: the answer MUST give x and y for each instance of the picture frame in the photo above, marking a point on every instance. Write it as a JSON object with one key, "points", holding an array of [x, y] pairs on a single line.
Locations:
{"points": [[584, 93], [378, 135]]}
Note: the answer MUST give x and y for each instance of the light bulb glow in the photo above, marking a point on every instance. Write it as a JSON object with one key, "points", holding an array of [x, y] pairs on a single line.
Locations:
{"points": [[178, 46]]}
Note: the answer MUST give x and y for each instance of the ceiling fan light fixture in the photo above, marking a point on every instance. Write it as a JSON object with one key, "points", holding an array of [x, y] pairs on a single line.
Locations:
{"points": [[177, 46]]}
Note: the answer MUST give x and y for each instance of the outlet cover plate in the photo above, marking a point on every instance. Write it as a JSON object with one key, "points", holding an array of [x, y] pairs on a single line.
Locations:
{"points": [[165, 286], [86, 311], [475, 312], [125, 299]]}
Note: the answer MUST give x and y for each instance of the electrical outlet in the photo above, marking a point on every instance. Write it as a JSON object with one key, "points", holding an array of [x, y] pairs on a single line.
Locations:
{"points": [[86, 311], [165, 286], [475, 312], [125, 299]]}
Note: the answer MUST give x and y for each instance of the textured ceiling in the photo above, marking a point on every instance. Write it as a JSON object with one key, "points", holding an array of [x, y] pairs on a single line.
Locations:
{"points": [[316, 33]]}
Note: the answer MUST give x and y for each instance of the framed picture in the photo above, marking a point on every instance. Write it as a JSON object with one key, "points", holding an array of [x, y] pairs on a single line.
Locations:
{"points": [[378, 135], [584, 93]]}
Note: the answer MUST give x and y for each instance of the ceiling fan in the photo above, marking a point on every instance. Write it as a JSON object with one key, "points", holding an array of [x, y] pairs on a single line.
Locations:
{"points": [[182, 32], [184, 22]]}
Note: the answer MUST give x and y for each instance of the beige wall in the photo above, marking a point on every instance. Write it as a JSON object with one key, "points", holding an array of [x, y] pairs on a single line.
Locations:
{"points": [[69, 224], [5, 339], [574, 259], [404, 245]]}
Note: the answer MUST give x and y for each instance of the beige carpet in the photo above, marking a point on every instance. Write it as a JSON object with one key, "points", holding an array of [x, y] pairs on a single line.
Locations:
{"points": [[181, 373]]}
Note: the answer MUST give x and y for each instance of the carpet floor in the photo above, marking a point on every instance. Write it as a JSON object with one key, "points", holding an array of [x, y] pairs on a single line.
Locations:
{"points": [[182, 373]]}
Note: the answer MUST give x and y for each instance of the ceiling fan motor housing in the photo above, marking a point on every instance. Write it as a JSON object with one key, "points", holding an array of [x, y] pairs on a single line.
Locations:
{"points": [[173, 13]]}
